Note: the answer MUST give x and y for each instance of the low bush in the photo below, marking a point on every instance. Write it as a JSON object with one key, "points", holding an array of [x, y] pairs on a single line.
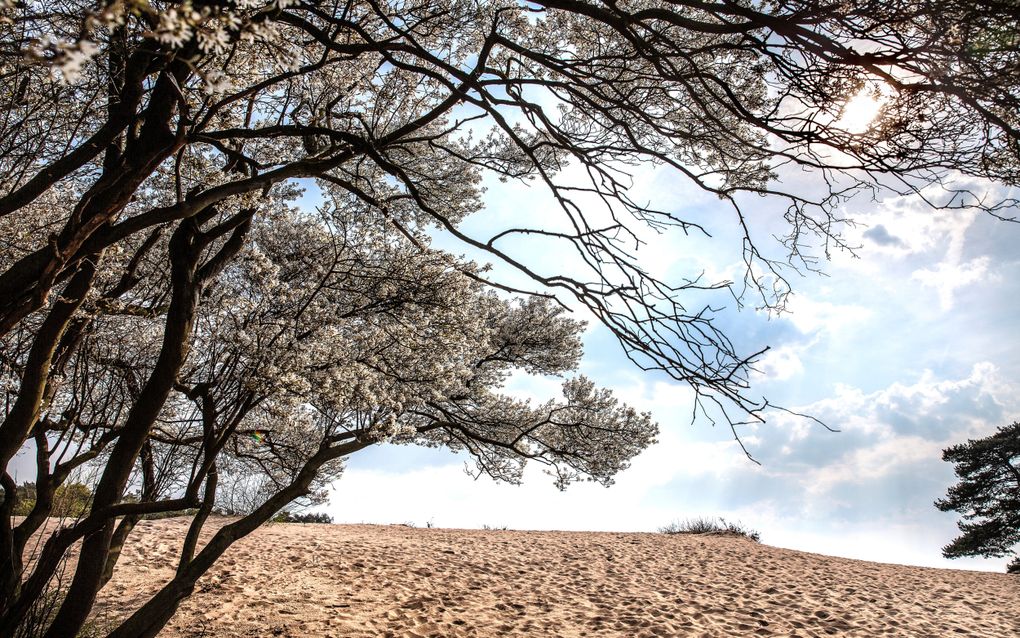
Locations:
{"points": [[310, 517], [72, 500], [718, 526]]}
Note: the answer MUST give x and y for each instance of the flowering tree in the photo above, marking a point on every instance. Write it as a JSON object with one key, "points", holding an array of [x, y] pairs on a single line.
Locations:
{"points": [[163, 304], [316, 342]]}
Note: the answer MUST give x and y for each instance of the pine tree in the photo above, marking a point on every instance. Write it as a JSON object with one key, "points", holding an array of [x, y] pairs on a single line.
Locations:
{"points": [[988, 495]]}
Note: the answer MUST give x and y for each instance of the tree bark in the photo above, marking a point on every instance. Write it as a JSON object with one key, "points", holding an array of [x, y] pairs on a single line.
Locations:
{"points": [[23, 415], [120, 535], [185, 253], [187, 278], [25, 286], [10, 557], [117, 541]]}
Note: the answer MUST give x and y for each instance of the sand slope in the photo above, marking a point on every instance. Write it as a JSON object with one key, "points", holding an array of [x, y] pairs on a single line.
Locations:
{"points": [[364, 580]]}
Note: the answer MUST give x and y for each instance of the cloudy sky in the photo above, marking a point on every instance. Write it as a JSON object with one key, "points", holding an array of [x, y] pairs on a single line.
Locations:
{"points": [[905, 349]]}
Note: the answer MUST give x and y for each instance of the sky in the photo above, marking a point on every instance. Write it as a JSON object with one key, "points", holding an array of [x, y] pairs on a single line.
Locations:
{"points": [[906, 347]]}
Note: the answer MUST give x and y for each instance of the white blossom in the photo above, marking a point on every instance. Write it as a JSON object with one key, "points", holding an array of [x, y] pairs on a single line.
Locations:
{"points": [[176, 27], [217, 83]]}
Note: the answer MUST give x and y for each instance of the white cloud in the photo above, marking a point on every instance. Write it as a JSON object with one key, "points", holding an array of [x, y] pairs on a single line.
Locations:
{"points": [[892, 429], [949, 276], [810, 316], [925, 395], [905, 226], [782, 363], [873, 462], [448, 497], [537, 389], [887, 540], [906, 230]]}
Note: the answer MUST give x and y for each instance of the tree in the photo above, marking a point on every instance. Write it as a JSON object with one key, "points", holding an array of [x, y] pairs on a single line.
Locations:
{"points": [[69, 500], [299, 361], [164, 304], [988, 495]]}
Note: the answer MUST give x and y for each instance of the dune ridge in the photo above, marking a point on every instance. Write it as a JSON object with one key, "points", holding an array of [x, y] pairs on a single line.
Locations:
{"points": [[375, 580]]}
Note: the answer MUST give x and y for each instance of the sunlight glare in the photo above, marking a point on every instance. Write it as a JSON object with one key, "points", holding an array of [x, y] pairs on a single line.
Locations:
{"points": [[859, 112]]}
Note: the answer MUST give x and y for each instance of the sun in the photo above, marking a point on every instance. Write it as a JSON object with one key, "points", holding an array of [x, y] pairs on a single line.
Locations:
{"points": [[860, 111]]}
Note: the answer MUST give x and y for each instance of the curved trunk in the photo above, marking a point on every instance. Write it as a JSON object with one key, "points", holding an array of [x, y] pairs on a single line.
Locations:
{"points": [[151, 617], [16, 427], [187, 277], [10, 555], [185, 253]]}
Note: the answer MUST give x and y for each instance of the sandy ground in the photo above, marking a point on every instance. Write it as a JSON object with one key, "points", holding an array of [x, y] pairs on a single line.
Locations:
{"points": [[366, 580]]}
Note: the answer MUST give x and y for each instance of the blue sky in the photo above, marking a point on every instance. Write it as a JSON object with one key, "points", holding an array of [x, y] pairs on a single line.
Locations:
{"points": [[906, 348]]}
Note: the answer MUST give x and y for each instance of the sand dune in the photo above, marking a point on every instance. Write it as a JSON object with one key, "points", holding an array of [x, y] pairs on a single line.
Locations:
{"points": [[365, 580]]}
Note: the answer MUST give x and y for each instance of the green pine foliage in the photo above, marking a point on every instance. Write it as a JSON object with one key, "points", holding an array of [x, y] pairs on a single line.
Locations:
{"points": [[987, 496]]}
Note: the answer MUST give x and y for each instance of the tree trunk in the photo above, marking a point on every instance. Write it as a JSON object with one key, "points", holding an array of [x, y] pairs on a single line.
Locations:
{"points": [[10, 555], [151, 617], [120, 535], [185, 253], [117, 541], [187, 278], [25, 412]]}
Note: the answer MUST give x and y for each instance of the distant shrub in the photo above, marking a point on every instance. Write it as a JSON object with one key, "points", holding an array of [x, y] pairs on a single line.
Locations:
{"points": [[72, 500], [719, 526], [495, 528], [310, 517], [1014, 566], [155, 516]]}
